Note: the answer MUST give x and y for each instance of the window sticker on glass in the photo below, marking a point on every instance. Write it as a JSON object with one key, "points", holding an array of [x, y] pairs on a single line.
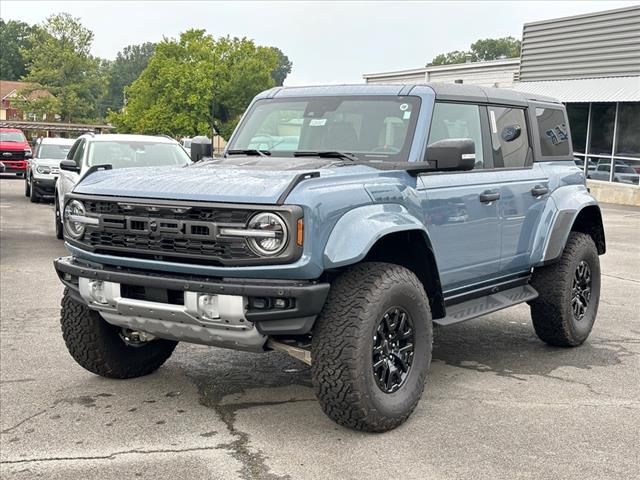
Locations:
{"points": [[492, 118], [406, 115], [404, 107], [317, 122]]}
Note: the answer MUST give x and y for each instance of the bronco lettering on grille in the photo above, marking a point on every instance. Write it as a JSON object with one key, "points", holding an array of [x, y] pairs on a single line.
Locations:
{"points": [[156, 227]]}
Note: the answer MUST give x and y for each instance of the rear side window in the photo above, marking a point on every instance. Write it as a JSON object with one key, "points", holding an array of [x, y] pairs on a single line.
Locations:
{"points": [[554, 134], [509, 137]]}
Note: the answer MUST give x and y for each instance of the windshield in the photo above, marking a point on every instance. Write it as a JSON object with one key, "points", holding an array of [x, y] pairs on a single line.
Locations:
{"points": [[12, 137], [120, 154], [54, 152], [369, 127]]}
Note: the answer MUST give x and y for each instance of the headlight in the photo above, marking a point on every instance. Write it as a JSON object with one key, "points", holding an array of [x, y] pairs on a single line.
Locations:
{"points": [[75, 229], [267, 234], [43, 169]]}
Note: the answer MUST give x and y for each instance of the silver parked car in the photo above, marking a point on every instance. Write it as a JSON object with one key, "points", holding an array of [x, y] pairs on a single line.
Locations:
{"points": [[623, 173], [92, 152], [43, 169]]}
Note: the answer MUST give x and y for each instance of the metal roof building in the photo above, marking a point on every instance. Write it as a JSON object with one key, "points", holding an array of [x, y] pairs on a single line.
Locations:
{"points": [[591, 63]]}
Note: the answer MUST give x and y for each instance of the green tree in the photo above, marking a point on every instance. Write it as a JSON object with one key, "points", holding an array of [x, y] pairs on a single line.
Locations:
{"points": [[481, 51], [123, 71], [494, 48], [14, 37], [451, 57], [279, 74], [60, 62], [194, 81]]}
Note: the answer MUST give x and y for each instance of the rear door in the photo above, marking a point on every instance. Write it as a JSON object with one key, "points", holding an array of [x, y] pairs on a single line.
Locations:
{"points": [[462, 208], [524, 187]]}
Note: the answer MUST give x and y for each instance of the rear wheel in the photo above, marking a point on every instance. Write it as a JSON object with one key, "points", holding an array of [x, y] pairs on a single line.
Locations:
{"points": [[569, 293], [108, 350], [371, 347]]}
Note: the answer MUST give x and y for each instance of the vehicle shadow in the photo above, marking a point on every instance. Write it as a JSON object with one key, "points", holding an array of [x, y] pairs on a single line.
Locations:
{"points": [[495, 344]]}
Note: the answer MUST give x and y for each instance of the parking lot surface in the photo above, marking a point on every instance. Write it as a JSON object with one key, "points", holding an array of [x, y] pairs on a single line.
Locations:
{"points": [[499, 404]]}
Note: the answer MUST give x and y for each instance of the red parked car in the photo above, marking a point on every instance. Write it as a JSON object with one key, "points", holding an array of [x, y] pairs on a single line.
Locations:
{"points": [[14, 151]]}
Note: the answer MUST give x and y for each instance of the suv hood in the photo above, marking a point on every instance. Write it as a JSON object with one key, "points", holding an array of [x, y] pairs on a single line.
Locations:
{"points": [[237, 180], [12, 146], [49, 162]]}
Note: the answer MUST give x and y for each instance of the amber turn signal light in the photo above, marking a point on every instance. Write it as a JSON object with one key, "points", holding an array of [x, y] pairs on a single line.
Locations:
{"points": [[300, 232]]}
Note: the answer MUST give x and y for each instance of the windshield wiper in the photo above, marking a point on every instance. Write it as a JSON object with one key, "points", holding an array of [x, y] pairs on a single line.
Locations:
{"points": [[249, 152], [326, 154]]}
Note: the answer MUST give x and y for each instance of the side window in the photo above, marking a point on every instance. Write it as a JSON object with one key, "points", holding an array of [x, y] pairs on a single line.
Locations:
{"points": [[72, 150], [509, 137], [455, 120], [554, 134], [79, 153]]}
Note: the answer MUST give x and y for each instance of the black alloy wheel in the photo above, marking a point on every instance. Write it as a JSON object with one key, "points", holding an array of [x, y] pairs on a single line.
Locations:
{"points": [[393, 349]]}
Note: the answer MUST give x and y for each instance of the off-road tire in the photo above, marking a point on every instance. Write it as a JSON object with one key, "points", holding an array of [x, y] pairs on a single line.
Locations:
{"points": [[96, 345], [551, 313], [34, 196], [27, 189], [341, 350], [57, 218]]}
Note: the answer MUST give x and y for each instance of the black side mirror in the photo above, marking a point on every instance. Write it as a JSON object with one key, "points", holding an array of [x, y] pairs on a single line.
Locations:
{"points": [[452, 154], [201, 147], [69, 166]]}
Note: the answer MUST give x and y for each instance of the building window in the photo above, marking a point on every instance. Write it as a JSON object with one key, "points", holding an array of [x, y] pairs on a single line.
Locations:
{"points": [[578, 114], [628, 143], [603, 117]]}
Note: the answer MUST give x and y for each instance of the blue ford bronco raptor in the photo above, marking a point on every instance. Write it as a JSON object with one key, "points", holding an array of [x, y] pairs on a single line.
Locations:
{"points": [[340, 224]]}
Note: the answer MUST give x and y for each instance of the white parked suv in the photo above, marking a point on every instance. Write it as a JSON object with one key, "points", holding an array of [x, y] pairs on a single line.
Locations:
{"points": [[43, 169], [93, 152]]}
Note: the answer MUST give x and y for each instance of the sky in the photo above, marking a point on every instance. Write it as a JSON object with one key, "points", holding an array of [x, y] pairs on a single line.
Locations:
{"points": [[328, 42]]}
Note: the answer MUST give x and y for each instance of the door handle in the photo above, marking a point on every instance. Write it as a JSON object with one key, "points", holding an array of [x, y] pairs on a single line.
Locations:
{"points": [[539, 190], [489, 196]]}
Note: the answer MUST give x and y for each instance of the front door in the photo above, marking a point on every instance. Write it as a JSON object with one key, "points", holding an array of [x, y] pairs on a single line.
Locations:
{"points": [[462, 209]]}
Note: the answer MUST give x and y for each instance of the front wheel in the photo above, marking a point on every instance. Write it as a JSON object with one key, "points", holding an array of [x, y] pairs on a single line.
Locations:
{"points": [[371, 347], [27, 188], [569, 293], [34, 197], [105, 349]]}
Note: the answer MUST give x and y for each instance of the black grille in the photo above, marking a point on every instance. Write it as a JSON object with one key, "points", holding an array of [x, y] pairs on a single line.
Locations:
{"points": [[106, 242], [176, 233], [11, 155], [210, 214]]}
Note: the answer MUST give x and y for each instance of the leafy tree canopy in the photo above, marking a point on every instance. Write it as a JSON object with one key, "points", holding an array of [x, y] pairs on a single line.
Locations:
{"points": [[59, 61], [14, 36], [123, 71], [482, 50], [194, 79]]}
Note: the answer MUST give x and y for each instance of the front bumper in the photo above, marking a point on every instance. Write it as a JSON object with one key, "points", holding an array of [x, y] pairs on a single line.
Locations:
{"points": [[44, 185], [166, 305], [14, 166]]}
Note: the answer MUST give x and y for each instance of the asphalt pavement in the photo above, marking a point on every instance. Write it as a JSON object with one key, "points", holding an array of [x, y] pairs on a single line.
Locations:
{"points": [[499, 404]]}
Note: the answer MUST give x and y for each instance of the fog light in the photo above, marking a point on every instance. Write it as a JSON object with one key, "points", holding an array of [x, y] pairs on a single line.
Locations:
{"points": [[280, 303], [208, 306], [97, 291]]}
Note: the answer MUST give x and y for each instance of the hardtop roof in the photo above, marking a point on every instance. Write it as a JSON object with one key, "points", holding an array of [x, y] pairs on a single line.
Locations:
{"points": [[443, 91]]}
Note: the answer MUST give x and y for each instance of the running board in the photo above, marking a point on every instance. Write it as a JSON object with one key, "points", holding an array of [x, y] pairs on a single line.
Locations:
{"points": [[477, 307]]}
